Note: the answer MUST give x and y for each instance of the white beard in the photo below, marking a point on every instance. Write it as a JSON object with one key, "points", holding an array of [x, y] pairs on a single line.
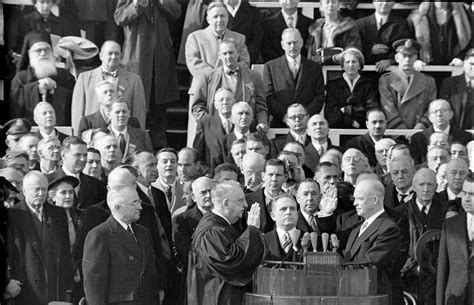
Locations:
{"points": [[43, 68]]}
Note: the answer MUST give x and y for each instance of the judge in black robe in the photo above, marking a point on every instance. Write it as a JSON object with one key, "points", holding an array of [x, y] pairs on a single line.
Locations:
{"points": [[221, 262]]}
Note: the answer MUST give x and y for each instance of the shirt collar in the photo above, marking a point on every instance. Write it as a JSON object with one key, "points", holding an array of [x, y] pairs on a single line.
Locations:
{"points": [[445, 131], [306, 216], [33, 210], [282, 232], [69, 173], [297, 136], [48, 136], [378, 17], [420, 206], [117, 133], [165, 185], [239, 135], [233, 10], [373, 217], [470, 219], [220, 215], [348, 81], [294, 15], [143, 188], [291, 59], [451, 195], [122, 224], [317, 145]]}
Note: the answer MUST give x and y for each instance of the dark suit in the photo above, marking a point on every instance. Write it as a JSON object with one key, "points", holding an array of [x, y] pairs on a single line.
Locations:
{"points": [[312, 156], [184, 226], [391, 196], [96, 120], [282, 90], [248, 22], [207, 132], [277, 144], [39, 254], [394, 28], [118, 269], [454, 90], [377, 245], [419, 141], [91, 190], [137, 140], [275, 251], [273, 26], [366, 145], [61, 136], [455, 278], [220, 152], [324, 225], [266, 222]]}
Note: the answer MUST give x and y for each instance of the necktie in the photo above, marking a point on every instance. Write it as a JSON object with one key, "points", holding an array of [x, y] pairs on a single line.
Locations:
{"points": [[150, 196], [106, 74], [471, 230], [227, 124], [121, 139], [129, 230], [220, 37], [313, 223], [320, 151], [402, 198], [294, 68], [291, 23], [38, 214], [169, 193], [423, 212], [287, 243], [364, 226], [380, 23]]}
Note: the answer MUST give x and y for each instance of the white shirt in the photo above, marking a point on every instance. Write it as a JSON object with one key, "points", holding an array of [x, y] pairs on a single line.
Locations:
{"points": [[409, 194], [286, 16], [420, 206], [299, 138], [45, 136], [348, 81], [69, 173], [233, 10], [117, 133], [239, 135], [40, 210], [123, 224], [451, 195], [370, 220], [306, 216], [292, 61], [281, 233], [379, 17], [143, 188], [446, 131], [470, 224], [317, 146]]}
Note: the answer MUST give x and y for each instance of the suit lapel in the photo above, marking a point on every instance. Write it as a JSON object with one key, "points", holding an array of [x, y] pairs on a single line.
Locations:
{"points": [[122, 237], [416, 86], [122, 83], [240, 17], [28, 228], [459, 230], [274, 246], [302, 76], [366, 234], [286, 73]]}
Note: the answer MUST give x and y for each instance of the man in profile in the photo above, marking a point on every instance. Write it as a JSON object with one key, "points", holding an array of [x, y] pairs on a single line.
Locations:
{"points": [[216, 243]]}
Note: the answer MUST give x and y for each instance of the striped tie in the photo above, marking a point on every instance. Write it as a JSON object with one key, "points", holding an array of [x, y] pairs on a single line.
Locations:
{"points": [[287, 243]]}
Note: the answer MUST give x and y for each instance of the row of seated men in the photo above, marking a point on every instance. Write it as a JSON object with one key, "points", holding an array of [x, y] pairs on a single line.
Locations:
{"points": [[286, 79], [336, 173]]}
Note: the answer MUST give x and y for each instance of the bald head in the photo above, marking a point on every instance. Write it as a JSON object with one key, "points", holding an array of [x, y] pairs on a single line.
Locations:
{"points": [[381, 150], [456, 172], [202, 188], [253, 166], [110, 55], [368, 197]]}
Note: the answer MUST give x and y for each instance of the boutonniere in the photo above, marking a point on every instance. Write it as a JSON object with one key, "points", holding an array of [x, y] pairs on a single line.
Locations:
{"points": [[132, 148], [250, 87]]}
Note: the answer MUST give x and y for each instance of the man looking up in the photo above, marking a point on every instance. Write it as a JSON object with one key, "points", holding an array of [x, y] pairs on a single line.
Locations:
{"points": [[354, 163], [44, 116], [49, 151]]}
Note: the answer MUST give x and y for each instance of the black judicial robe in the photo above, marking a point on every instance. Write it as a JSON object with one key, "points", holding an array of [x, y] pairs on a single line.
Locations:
{"points": [[221, 262]]}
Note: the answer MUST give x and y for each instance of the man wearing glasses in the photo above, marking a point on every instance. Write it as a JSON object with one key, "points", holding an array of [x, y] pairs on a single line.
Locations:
{"points": [[119, 259], [296, 119]]}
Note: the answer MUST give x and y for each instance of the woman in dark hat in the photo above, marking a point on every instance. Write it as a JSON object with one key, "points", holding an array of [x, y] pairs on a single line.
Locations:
{"points": [[61, 194]]}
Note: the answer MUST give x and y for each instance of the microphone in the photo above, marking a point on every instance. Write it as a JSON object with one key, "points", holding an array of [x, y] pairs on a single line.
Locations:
{"points": [[305, 242], [294, 238], [334, 242], [325, 239], [314, 241]]}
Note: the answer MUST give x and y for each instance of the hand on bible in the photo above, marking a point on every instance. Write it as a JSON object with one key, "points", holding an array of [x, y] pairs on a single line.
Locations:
{"points": [[253, 217]]}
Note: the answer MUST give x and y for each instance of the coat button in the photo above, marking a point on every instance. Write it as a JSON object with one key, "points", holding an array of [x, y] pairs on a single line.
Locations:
{"points": [[131, 258]]}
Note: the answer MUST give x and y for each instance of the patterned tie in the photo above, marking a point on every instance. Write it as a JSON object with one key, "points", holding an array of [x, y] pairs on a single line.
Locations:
{"points": [[122, 142], [313, 223], [291, 23], [364, 226], [38, 214], [287, 243], [129, 230], [320, 151]]}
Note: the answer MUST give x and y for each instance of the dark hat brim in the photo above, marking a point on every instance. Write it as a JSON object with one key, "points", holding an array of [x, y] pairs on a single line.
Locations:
{"points": [[5, 182], [67, 179]]}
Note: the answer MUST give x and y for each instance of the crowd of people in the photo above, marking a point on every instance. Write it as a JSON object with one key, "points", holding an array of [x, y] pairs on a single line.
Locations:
{"points": [[114, 215]]}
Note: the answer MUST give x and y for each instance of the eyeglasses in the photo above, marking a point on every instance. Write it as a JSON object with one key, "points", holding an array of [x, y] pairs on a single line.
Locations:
{"points": [[297, 116], [354, 158], [441, 111], [46, 50], [134, 203]]}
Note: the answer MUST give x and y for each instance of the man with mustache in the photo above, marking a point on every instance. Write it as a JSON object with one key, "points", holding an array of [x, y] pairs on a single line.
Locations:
{"points": [[40, 80], [376, 123]]}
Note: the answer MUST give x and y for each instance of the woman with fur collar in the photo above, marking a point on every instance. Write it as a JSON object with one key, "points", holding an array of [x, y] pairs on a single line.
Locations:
{"points": [[330, 35]]}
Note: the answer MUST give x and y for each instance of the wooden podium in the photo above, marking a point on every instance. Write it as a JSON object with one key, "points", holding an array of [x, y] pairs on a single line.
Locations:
{"points": [[320, 279]]}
